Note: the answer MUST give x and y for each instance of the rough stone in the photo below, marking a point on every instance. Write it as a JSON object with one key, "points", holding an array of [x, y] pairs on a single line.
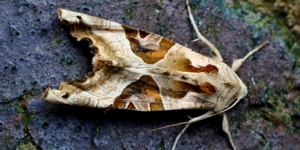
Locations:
{"points": [[37, 51]]}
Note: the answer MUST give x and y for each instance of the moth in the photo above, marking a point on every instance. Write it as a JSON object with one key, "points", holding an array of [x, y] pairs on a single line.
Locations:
{"points": [[139, 70]]}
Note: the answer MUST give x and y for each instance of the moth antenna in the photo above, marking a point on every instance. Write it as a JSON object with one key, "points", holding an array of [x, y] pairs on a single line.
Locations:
{"points": [[196, 119], [200, 36], [256, 49], [238, 62], [195, 40], [106, 110], [173, 125]]}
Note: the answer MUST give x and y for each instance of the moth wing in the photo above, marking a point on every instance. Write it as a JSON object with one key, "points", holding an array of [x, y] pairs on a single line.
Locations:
{"points": [[107, 37], [119, 47], [146, 95], [99, 91], [125, 46]]}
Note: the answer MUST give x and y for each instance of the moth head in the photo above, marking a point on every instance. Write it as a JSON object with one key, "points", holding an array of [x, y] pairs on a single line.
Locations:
{"points": [[55, 96], [243, 91]]}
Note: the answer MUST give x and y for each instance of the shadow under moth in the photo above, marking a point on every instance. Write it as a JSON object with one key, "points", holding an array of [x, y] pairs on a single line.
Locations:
{"points": [[139, 70]]}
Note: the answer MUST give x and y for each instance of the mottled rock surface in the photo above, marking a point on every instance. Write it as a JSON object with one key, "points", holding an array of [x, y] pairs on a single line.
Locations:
{"points": [[37, 51]]}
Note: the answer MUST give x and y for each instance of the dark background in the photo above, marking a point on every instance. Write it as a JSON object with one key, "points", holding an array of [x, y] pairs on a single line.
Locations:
{"points": [[36, 51]]}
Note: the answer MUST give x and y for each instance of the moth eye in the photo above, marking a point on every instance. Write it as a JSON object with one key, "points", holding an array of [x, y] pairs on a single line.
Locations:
{"points": [[65, 96]]}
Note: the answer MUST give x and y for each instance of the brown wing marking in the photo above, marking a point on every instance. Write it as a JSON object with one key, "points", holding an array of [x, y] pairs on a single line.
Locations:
{"points": [[142, 95], [150, 47], [181, 95], [175, 60], [176, 89], [176, 85], [107, 37], [131, 106], [97, 91], [207, 88], [143, 34], [119, 104]]}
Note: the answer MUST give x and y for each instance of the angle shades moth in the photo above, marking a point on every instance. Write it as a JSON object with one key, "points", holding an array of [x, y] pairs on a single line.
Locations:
{"points": [[139, 70]]}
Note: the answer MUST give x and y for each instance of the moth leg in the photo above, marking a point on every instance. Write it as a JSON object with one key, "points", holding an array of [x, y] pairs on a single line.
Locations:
{"points": [[238, 62], [200, 36], [106, 110], [179, 135], [225, 126], [192, 120]]}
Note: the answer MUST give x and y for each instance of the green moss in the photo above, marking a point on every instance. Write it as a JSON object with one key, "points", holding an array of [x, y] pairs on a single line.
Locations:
{"points": [[296, 105], [51, 6], [98, 126], [162, 144], [263, 20], [252, 113], [280, 111], [56, 42], [27, 142], [9, 140], [69, 61], [158, 6], [78, 129], [128, 11], [252, 17], [6, 104], [86, 10], [276, 108], [28, 146]]}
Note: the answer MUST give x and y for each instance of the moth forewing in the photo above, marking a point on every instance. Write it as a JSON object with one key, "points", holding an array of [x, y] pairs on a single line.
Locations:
{"points": [[170, 75], [142, 71]]}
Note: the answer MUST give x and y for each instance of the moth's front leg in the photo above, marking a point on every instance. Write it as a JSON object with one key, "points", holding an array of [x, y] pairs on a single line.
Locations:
{"points": [[192, 120], [225, 126]]}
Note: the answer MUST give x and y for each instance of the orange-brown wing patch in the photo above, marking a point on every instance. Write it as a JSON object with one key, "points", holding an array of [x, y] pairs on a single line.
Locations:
{"points": [[129, 31], [148, 46], [209, 69], [179, 63], [176, 89], [156, 106], [143, 34], [131, 106], [119, 104], [141, 95], [208, 88], [182, 95]]}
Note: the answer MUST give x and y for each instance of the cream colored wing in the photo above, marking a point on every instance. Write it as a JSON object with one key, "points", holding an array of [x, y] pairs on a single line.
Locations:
{"points": [[138, 70]]}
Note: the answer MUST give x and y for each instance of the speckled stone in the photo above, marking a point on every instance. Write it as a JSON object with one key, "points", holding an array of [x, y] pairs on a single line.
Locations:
{"points": [[37, 51]]}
